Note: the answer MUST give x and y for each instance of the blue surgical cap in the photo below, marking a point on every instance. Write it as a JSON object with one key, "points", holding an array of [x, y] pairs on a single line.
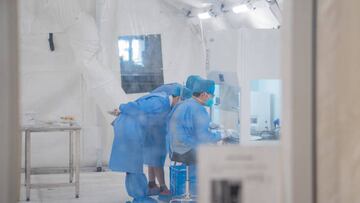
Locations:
{"points": [[186, 93], [191, 80], [202, 85], [173, 89]]}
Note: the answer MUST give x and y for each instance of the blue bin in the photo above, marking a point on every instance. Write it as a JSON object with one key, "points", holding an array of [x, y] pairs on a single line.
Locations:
{"points": [[177, 179]]}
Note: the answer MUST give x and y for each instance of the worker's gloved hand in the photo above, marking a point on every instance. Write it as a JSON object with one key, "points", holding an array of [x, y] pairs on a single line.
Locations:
{"points": [[228, 133], [223, 134], [232, 133]]}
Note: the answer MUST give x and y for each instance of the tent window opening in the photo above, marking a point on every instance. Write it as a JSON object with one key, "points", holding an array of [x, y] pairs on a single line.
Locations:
{"points": [[124, 50], [137, 47], [141, 63]]}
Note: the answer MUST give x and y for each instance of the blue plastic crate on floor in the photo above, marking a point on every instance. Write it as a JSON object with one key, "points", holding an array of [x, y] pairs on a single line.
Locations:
{"points": [[177, 179]]}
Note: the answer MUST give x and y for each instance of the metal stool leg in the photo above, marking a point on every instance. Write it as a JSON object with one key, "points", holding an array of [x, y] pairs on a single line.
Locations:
{"points": [[187, 196], [187, 184]]}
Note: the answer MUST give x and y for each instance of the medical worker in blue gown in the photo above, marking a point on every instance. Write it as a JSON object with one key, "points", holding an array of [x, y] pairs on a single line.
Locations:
{"points": [[188, 124], [155, 144], [136, 121]]}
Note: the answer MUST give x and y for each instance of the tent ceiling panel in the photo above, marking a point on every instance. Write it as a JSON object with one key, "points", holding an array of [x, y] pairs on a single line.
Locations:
{"points": [[262, 14]]}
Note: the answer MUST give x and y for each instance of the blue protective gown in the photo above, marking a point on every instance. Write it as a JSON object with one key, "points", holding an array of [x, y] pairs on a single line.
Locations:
{"points": [[170, 89], [136, 186], [188, 126], [130, 129], [155, 136], [137, 127]]}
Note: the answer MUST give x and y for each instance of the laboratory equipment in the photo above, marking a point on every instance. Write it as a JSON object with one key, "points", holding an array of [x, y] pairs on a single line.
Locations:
{"points": [[226, 109], [265, 109]]}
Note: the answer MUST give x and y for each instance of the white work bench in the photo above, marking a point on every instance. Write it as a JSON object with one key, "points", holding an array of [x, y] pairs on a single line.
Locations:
{"points": [[73, 130]]}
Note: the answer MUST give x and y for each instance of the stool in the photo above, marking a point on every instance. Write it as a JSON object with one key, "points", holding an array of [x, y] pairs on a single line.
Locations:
{"points": [[188, 159]]}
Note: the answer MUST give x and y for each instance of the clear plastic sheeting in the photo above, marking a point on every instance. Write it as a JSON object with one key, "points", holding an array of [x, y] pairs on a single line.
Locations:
{"points": [[133, 46], [87, 64], [180, 43], [84, 39], [62, 82], [100, 81]]}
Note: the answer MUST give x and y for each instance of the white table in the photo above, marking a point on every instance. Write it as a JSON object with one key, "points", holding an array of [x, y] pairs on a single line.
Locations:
{"points": [[73, 130]]}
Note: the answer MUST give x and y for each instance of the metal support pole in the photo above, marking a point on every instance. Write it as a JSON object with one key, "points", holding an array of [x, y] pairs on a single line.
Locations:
{"points": [[71, 157], [28, 163], [77, 164], [25, 159]]}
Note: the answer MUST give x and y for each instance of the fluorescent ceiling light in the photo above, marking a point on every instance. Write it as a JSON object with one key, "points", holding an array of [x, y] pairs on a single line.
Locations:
{"points": [[241, 8], [205, 15]]}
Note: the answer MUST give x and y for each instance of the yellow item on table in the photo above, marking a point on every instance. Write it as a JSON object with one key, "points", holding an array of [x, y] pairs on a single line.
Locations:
{"points": [[68, 118]]}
